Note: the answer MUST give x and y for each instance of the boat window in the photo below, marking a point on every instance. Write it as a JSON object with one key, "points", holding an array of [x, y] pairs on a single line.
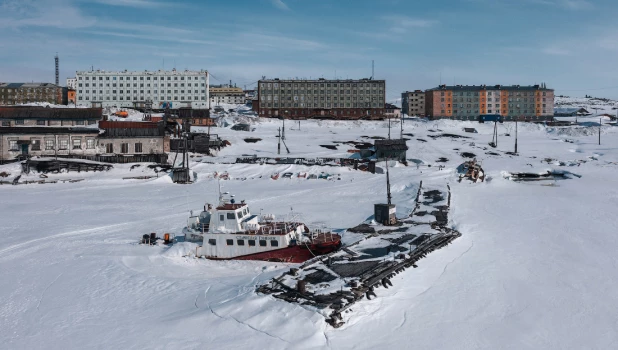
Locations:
{"points": [[230, 216], [274, 243], [212, 241], [239, 215], [244, 212], [252, 242], [262, 243], [230, 242], [240, 241], [221, 217]]}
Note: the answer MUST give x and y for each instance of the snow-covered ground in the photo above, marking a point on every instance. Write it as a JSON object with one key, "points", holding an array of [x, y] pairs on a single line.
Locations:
{"points": [[535, 268]]}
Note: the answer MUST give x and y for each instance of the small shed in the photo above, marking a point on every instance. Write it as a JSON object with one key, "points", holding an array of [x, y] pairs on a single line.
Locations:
{"points": [[392, 149], [385, 214]]}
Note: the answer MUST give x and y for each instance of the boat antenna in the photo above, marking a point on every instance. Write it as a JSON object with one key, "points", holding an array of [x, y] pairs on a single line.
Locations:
{"points": [[388, 184]]}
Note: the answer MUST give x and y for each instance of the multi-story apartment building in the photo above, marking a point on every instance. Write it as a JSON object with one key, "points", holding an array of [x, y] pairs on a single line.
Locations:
{"points": [[513, 102], [173, 89], [19, 93], [413, 103], [72, 83], [226, 94], [337, 99]]}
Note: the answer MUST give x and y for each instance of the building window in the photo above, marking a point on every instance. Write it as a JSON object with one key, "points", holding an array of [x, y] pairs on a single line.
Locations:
{"points": [[77, 143], [262, 243], [229, 241], [109, 148], [40, 122], [138, 147], [212, 241], [64, 144], [6, 123], [12, 145], [240, 242], [36, 145], [49, 145], [274, 243], [89, 143], [19, 122], [124, 148]]}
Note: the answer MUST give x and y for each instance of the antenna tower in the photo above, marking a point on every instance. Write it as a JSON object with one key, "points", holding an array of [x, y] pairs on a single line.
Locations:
{"points": [[372, 69], [57, 69]]}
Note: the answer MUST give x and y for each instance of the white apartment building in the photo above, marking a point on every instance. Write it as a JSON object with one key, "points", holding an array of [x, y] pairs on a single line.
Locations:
{"points": [[72, 83], [176, 89]]}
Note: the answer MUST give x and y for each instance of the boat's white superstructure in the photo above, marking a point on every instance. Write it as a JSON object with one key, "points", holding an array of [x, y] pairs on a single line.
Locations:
{"points": [[230, 231]]}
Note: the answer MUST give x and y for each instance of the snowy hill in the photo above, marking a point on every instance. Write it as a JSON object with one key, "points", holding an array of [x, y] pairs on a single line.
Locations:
{"points": [[602, 105]]}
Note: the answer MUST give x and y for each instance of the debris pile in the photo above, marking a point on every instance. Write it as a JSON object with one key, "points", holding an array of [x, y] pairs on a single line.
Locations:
{"points": [[548, 175], [472, 171]]}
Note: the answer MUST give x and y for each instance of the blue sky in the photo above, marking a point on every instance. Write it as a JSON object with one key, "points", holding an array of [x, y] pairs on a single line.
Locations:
{"points": [[571, 45]]}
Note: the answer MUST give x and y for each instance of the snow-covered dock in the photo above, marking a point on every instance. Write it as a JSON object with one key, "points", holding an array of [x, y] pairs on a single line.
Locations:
{"points": [[335, 282]]}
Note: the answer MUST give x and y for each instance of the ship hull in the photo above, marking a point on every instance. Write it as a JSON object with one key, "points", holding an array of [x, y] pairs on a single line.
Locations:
{"points": [[292, 254]]}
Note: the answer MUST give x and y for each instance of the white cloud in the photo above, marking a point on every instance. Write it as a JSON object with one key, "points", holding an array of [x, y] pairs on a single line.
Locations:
{"points": [[556, 51], [576, 4], [44, 13], [280, 4], [134, 3], [402, 24]]}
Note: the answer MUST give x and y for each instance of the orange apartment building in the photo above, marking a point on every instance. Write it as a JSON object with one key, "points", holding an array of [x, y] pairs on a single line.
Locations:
{"points": [[513, 102]]}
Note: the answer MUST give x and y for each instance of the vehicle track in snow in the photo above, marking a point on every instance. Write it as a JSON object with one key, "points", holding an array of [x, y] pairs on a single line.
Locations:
{"points": [[94, 230]]}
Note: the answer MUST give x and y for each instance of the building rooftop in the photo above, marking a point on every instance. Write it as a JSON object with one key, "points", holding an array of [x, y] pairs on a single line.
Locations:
{"points": [[390, 106], [322, 80], [490, 87], [26, 85], [144, 72], [391, 145], [36, 112], [22, 130]]}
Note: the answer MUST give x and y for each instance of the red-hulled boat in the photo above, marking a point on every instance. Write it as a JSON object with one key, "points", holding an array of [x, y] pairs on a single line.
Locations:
{"points": [[230, 231]]}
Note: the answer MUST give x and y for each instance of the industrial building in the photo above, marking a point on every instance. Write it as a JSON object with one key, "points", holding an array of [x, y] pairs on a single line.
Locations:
{"points": [[158, 89], [514, 102], [413, 103], [20, 93], [16, 142], [321, 98], [226, 94]]}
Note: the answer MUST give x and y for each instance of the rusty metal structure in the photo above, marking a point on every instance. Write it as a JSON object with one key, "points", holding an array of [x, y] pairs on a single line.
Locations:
{"points": [[472, 171]]}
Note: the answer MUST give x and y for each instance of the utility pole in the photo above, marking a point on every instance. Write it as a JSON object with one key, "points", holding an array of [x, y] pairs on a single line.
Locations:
{"points": [[401, 122], [283, 128], [516, 136], [279, 143], [388, 185], [389, 128]]}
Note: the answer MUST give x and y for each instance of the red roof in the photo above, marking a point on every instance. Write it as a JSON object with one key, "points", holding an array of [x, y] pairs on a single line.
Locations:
{"points": [[127, 125]]}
